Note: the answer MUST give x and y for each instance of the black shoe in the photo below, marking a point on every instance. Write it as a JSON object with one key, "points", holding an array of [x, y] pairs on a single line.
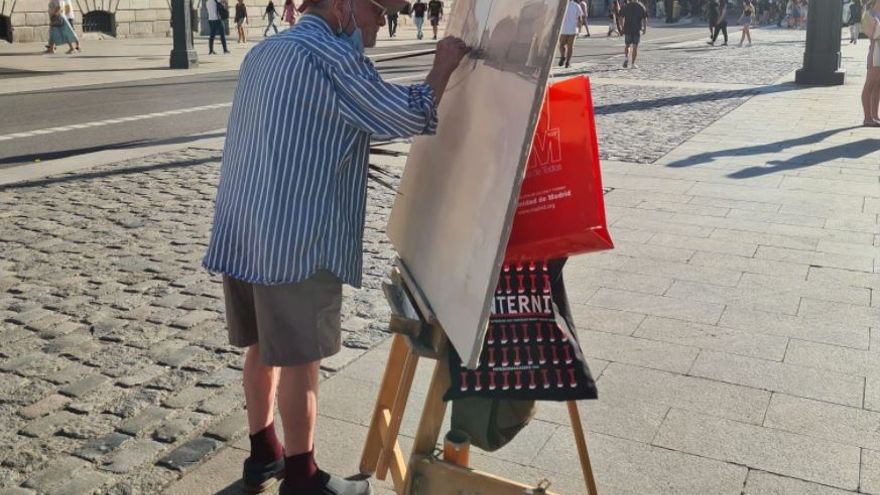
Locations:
{"points": [[226, 51], [333, 485], [561, 61], [257, 477], [212, 53]]}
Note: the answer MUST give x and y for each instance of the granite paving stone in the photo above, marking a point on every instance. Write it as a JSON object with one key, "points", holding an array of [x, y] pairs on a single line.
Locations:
{"points": [[132, 456], [764, 483], [189, 454], [718, 338], [870, 472], [97, 448], [692, 393], [779, 452], [792, 379]]}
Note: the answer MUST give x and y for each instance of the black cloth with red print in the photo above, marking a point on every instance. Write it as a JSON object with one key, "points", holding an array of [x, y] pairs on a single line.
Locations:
{"points": [[531, 351]]}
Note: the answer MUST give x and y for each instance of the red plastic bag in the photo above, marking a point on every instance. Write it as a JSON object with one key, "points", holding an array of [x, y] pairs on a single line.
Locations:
{"points": [[561, 210]]}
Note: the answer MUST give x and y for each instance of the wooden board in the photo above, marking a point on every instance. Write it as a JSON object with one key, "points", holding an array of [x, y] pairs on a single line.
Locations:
{"points": [[453, 212]]}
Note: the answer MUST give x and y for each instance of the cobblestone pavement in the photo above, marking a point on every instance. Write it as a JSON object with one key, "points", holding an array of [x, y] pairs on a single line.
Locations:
{"points": [[640, 123], [115, 374]]}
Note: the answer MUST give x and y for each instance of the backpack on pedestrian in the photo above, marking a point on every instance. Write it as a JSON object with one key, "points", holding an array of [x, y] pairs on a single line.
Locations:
{"points": [[222, 10]]}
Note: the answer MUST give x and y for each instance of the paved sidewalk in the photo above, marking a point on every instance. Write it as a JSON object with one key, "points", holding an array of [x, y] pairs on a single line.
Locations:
{"points": [[731, 328]]}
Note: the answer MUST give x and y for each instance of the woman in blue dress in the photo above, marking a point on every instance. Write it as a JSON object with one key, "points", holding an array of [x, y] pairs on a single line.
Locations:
{"points": [[60, 31]]}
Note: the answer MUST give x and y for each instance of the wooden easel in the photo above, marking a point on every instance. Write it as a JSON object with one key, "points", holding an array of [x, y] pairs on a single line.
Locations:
{"points": [[417, 334]]}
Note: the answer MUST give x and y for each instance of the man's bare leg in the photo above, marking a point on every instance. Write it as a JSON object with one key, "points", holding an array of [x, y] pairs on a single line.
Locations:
{"points": [[266, 457], [298, 404], [635, 53], [260, 386]]}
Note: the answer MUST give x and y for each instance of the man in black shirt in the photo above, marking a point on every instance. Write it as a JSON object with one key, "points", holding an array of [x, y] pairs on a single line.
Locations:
{"points": [[418, 13], [635, 24], [719, 7], [435, 12]]}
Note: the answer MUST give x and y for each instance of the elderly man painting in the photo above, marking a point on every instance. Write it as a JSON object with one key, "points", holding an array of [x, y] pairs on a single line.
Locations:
{"points": [[289, 219]]}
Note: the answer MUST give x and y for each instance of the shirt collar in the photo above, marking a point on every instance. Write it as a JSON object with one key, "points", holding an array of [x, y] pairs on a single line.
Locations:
{"points": [[316, 22]]}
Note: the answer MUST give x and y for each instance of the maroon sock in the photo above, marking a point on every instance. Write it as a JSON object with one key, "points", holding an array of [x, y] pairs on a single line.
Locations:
{"points": [[301, 471], [265, 446]]}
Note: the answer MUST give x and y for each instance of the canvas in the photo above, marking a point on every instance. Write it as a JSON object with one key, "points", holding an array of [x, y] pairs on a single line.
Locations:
{"points": [[453, 212]]}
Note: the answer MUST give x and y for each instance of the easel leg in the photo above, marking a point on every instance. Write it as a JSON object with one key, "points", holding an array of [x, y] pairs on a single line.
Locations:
{"points": [[401, 397], [387, 392], [578, 430], [434, 411]]}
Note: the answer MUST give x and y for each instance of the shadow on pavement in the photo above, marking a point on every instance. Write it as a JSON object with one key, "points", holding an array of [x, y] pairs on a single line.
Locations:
{"points": [[685, 99], [25, 159], [108, 173], [854, 150], [703, 158]]}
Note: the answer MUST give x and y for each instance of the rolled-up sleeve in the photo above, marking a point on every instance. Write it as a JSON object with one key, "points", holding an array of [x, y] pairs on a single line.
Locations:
{"points": [[384, 109]]}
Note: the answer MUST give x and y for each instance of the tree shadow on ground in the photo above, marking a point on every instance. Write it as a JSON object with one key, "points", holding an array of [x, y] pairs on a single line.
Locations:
{"points": [[636, 105], [709, 157], [74, 177], [55, 155], [854, 150]]}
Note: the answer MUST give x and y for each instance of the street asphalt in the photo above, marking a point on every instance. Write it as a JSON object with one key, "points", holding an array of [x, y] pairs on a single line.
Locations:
{"points": [[86, 104]]}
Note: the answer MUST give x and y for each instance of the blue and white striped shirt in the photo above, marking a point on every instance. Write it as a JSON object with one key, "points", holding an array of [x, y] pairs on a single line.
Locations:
{"points": [[293, 184]]}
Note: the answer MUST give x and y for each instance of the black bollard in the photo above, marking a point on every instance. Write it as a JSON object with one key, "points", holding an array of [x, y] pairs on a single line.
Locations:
{"points": [[183, 55], [822, 55]]}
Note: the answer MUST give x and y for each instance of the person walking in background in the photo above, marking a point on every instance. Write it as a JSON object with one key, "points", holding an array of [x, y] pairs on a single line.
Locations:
{"points": [[289, 13], [70, 15], [720, 20], [215, 23], [418, 16], [613, 16], [567, 34], [241, 19], [855, 21], [585, 24], [746, 20], [635, 24], [270, 13], [871, 90], [435, 12], [392, 24], [60, 32]]}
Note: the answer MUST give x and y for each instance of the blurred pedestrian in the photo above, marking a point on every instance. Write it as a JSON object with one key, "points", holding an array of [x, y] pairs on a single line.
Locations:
{"points": [[871, 90], [289, 13], [60, 32], [241, 20], [435, 12], [567, 34], [635, 24], [855, 21], [418, 16], [748, 14], [70, 15], [720, 10], [584, 23], [215, 23], [613, 18], [270, 13], [392, 24]]}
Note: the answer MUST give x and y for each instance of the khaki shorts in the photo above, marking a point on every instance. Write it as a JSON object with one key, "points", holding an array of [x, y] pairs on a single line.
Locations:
{"points": [[293, 323], [566, 39]]}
